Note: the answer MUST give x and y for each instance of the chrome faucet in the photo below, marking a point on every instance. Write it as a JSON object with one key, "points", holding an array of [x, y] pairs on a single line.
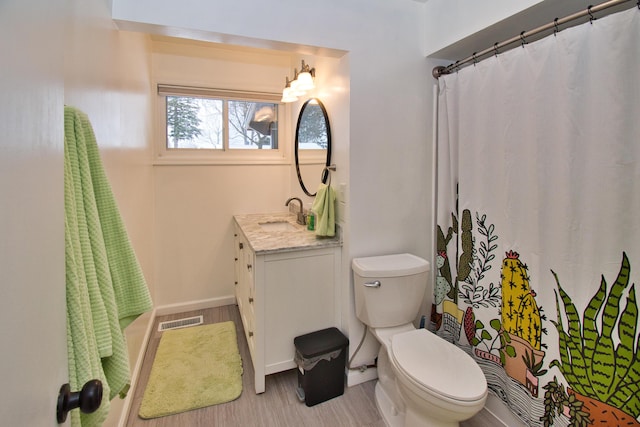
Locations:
{"points": [[301, 219]]}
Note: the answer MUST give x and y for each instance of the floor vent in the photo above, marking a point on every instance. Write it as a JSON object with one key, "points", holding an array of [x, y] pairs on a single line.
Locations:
{"points": [[180, 323]]}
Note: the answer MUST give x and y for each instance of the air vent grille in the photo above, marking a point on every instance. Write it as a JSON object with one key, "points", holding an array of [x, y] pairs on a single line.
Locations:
{"points": [[180, 323]]}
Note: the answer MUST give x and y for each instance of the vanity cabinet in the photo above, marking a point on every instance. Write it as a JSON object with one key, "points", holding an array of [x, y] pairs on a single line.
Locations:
{"points": [[281, 294]]}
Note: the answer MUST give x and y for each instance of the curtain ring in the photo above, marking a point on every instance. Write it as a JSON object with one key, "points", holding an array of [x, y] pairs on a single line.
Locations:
{"points": [[456, 65], [475, 58], [495, 49], [555, 25], [522, 38], [591, 17]]}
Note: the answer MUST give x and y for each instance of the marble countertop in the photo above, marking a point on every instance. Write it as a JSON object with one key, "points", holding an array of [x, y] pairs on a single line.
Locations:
{"points": [[269, 241]]}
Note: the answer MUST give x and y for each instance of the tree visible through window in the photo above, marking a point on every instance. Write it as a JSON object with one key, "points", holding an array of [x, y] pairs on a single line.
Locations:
{"points": [[220, 124], [183, 123]]}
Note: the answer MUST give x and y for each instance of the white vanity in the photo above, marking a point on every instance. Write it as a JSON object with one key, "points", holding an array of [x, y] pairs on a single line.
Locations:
{"points": [[287, 284]]}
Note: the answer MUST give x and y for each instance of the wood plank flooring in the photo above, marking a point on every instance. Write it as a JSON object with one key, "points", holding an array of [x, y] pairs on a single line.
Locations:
{"points": [[278, 406]]}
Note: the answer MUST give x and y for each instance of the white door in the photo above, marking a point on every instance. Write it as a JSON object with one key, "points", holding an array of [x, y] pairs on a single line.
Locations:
{"points": [[33, 356]]}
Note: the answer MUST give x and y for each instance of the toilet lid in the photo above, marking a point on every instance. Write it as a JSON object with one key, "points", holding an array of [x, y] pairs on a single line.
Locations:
{"points": [[438, 365]]}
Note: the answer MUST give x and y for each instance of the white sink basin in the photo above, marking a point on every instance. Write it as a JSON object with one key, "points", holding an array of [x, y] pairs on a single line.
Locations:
{"points": [[277, 226]]}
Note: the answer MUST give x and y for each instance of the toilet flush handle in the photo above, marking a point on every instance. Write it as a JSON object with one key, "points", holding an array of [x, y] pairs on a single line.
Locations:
{"points": [[374, 284]]}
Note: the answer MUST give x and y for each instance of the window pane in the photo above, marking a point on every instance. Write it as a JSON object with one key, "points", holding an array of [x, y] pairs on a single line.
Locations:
{"points": [[194, 123], [253, 125]]}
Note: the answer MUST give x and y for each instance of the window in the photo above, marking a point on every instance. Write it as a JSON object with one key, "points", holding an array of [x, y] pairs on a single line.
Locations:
{"points": [[218, 126]]}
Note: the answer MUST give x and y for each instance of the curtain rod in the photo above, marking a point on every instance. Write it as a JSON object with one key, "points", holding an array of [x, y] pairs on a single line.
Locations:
{"points": [[440, 70]]}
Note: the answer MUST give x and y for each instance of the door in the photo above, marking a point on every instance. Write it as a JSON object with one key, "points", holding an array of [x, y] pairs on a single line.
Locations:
{"points": [[33, 357]]}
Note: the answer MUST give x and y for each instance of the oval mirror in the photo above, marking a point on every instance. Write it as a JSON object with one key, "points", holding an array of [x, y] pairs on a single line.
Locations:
{"points": [[313, 145]]}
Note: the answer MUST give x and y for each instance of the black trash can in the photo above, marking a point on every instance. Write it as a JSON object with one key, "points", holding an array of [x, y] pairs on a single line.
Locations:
{"points": [[321, 358]]}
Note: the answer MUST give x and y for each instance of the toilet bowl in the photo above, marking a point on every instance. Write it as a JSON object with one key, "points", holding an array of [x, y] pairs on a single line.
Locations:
{"points": [[423, 380], [439, 381]]}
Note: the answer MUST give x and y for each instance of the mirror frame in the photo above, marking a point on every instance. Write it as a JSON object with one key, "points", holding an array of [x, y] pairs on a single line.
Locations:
{"points": [[325, 172]]}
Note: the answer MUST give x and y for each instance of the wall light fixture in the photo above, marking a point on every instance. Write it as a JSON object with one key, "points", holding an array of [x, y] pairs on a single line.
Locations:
{"points": [[302, 83]]}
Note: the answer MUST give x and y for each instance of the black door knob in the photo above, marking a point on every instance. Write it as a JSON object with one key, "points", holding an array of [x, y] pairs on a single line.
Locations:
{"points": [[88, 399]]}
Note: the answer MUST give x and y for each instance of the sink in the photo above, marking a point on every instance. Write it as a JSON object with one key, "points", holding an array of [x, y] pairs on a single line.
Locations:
{"points": [[277, 226]]}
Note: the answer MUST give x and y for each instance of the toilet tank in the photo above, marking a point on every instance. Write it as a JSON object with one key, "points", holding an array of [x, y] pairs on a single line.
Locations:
{"points": [[389, 289]]}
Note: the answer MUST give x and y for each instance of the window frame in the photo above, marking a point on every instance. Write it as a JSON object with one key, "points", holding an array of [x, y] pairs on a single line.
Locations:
{"points": [[194, 156]]}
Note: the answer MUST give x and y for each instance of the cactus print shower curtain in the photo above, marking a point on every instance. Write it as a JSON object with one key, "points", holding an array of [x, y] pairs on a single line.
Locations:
{"points": [[538, 236]]}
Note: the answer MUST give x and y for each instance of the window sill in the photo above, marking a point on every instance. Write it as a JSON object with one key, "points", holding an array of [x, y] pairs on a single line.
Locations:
{"points": [[226, 161]]}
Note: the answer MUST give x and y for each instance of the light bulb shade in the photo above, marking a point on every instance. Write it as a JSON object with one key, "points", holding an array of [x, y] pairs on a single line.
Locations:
{"points": [[288, 95], [304, 82], [295, 88]]}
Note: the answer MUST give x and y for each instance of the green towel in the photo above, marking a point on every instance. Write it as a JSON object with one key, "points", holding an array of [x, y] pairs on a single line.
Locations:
{"points": [[106, 289], [324, 206]]}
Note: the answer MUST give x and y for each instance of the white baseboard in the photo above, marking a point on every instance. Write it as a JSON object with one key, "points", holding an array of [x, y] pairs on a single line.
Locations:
{"points": [[355, 377], [181, 307]]}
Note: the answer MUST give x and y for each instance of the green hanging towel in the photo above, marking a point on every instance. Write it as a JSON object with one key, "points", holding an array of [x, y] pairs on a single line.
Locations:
{"points": [[324, 207], [106, 289]]}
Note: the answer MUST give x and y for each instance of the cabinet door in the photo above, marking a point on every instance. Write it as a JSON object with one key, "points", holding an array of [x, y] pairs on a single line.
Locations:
{"points": [[299, 298]]}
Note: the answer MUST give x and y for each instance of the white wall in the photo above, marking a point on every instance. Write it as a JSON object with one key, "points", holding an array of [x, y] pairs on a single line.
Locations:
{"points": [[383, 114], [457, 28], [107, 75], [389, 97], [195, 204], [450, 21]]}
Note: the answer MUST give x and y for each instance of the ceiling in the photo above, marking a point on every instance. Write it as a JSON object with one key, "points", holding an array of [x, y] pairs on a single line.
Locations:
{"points": [[527, 20]]}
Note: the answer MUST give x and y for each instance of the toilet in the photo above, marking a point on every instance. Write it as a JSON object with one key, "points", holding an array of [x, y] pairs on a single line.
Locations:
{"points": [[423, 380]]}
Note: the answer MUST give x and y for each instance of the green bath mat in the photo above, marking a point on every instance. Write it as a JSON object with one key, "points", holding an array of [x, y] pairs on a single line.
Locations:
{"points": [[194, 367]]}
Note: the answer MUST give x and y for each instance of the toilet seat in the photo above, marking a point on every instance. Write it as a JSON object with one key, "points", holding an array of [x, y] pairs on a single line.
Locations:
{"points": [[438, 367]]}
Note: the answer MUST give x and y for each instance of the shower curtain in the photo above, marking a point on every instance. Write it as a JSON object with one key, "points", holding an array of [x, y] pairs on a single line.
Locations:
{"points": [[538, 223]]}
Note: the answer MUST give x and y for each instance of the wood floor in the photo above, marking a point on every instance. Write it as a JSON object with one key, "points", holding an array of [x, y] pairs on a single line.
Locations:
{"points": [[278, 406]]}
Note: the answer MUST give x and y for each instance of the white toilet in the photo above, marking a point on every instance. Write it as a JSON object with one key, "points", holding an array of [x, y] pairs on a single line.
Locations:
{"points": [[423, 380]]}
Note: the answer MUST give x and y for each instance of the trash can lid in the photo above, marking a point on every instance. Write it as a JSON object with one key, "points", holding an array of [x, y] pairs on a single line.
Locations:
{"points": [[320, 342]]}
